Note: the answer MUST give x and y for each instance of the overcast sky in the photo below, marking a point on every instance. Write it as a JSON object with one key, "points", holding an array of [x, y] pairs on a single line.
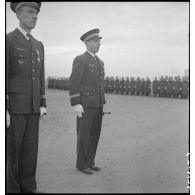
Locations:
{"points": [[139, 38]]}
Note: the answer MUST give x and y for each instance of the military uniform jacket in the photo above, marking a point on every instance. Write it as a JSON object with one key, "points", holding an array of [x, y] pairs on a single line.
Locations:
{"points": [[87, 81], [25, 75]]}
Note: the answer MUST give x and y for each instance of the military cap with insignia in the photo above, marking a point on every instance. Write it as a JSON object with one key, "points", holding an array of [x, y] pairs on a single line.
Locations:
{"points": [[90, 35], [15, 5]]}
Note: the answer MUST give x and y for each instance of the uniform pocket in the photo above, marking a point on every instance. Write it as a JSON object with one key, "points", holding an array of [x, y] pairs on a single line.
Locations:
{"points": [[15, 90]]}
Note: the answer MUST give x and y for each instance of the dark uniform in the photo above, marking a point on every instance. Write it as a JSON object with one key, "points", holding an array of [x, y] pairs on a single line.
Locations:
{"points": [[142, 86], [132, 86], [138, 86], [177, 87], [106, 83], [116, 85], [184, 88], [87, 89], [127, 86], [155, 87], [170, 87], [121, 85], [161, 86], [147, 88], [25, 91], [110, 84], [165, 86]]}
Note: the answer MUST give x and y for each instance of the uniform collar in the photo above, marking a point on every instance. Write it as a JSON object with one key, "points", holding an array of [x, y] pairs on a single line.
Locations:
{"points": [[91, 54], [23, 32]]}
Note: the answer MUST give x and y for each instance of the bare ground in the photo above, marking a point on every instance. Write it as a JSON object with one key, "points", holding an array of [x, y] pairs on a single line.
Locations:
{"points": [[142, 148]]}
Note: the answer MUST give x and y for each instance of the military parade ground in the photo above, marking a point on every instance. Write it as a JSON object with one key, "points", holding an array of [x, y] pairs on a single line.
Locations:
{"points": [[143, 145]]}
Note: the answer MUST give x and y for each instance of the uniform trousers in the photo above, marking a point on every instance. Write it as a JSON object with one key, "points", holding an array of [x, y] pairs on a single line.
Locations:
{"points": [[88, 134], [22, 150]]}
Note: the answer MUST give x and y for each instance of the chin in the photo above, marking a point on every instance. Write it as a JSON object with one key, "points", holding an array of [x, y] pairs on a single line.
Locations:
{"points": [[32, 26]]}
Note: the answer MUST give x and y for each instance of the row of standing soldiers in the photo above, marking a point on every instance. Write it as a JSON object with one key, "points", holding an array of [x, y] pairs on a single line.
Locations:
{"points": [[163, 87]]}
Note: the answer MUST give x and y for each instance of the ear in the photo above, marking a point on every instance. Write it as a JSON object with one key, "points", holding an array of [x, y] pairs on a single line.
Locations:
{"points": [[18, 13]]}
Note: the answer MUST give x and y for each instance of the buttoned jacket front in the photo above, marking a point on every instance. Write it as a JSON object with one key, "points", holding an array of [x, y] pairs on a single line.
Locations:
{"points": [[25, 75], [87, 81]]}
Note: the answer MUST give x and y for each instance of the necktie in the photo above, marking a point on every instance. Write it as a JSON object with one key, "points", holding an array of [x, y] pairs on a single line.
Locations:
{"points": [[29, 36]]}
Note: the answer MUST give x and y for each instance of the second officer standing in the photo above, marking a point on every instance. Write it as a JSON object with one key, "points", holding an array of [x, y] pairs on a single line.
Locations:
{"points": [[87, 99]]}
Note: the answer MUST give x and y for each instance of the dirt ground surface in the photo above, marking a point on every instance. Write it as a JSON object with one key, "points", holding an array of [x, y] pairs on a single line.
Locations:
{"points": [[142, 147]]}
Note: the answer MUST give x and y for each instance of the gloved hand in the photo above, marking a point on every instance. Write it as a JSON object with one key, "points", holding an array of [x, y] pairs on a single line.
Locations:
{"points": [[78, 109], [42, 112]]}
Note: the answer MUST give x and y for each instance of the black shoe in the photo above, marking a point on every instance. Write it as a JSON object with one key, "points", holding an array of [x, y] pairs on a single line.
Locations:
{"points": [[86, 171], [33, 192], [94, 168], [38, 192]]}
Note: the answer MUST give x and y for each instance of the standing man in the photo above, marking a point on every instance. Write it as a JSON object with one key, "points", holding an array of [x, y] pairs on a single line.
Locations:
{"points": [[87, 99], [25, 93]]}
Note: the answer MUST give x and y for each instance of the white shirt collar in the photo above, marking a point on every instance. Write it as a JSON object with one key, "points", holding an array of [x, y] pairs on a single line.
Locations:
{"points": [[91, 53], [23, 32]]}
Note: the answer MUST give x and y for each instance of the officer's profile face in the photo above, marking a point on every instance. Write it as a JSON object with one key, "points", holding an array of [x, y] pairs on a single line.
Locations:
{"points": [[27, 17], [93, 45]]}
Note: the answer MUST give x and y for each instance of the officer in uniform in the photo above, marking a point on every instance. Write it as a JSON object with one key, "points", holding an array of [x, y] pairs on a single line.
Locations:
{"points": [[25, 93], [87, 99]]}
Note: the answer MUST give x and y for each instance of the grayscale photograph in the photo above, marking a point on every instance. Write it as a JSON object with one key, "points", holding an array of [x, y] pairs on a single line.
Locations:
{"points": [[97, 97]]}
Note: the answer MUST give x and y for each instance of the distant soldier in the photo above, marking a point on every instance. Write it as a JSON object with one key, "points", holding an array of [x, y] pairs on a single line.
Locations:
{"points": [[142, 86], [176, 87], [132, 86], [49, 82], [106, 82], [126, 86], [165, 86], [161, 87], [55, 83], [147, 88], [121, 85], [184, 87], [66, 87], [170, 87], [155, 86], [63, 80], [138, 86], [180, 86], [116, 85], [111, 85]]}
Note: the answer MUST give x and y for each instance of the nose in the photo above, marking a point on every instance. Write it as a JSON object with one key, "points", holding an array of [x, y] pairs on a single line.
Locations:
{"points": [[35, 16]]}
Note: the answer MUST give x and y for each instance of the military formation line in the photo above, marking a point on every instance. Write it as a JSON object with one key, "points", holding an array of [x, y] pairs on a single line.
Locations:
{"points": [[165, 86]]}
